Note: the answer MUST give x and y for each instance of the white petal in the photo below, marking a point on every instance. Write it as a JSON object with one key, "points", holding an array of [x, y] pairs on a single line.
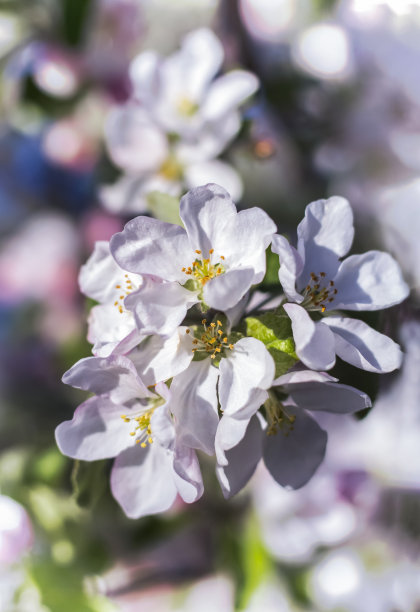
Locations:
{"points": [[149, 246], [242, 460], [364, 347], [214, 171], [99, 275], [96, 431], [228, 92], [135, 144], [142, 480], [124, 196], [211, 140], [325, 234], [371, 281], [114, 376], [302, 376], [225, 291], [314, 342], [111, 331], [158, 359], [230, 432], [292, 459], [291, 266], [159, 308], [245, 373], [194, 405], [328, 396], [144, 75], [206, 212]]}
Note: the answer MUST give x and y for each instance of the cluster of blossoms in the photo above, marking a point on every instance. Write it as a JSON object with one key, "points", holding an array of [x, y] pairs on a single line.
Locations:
{"points": [[168, 136], [187, 358]]}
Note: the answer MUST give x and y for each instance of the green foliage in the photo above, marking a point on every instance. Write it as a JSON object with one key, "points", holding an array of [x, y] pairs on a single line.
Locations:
{"points": [[275, 331], [89, 481], [164, 207]]}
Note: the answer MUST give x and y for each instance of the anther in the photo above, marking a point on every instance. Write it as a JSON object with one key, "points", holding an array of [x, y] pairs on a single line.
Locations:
{"points": [[211, 251], [198, 252]]}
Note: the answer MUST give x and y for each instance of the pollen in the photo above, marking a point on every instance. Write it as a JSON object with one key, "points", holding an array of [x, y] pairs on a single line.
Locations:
{"points": [[204, 269], [129, 287], [211, 339], [319, 292], [142, 431]]}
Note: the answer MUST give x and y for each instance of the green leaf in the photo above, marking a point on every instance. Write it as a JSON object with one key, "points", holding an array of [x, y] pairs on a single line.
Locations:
{"points": [[164, 207], [275, 331]]}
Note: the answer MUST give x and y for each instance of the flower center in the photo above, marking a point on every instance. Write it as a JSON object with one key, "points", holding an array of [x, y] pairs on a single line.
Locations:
{"points": [[124, 291], [204, 269], [171, 169], [142, 429], [319, 292], [278, 418], [212, 340], [186, 107]]}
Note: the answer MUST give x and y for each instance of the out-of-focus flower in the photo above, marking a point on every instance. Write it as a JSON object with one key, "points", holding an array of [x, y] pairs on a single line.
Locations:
{"points": [[214, 261], [16, 534], [314, 279], [290, 441], [178, 121]]}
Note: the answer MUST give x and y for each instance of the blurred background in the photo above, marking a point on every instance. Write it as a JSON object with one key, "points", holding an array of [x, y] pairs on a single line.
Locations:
{"points": [[337, 112]]}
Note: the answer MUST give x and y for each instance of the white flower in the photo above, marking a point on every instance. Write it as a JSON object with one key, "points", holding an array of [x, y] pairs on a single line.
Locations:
{"points": [[166, 138], [215, 260]]}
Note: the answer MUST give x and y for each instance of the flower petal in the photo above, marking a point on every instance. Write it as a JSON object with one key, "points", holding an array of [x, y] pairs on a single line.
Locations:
{"points": [[371, 281], [124, 196], [292, 459], [214, 170], [291, 266], [194, 405], [359, 344], [227, 93], [99, 275], [206, 213], [135, 144], [144, 76], [230, 432], [158, 359], [159, 308], [325, 234], [328, 396], [225, 291], [187, 474], [149, 246], [142, 480], [114, 376], [96, 431], [111, 331], [242, 460], [245, 374], [314, 341]]}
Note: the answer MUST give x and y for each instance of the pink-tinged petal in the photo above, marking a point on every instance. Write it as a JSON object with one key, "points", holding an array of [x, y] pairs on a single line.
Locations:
{"points": [[158, 359], [16, 533], [99, 275], [187, 474], [324, 236], [193, 403], [364, 347], [245, 374], [245, 241], [242, 460], [124, 196], [225, 291], [371, 281], [142, 480], [227, 92], [162, 427], [206, 213], [291, 266], [314, 342], [293, 457], [114, 376], [135, 144], [111, 331], [214, 170], [149, 246], [96, 431], [159, 308]]}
